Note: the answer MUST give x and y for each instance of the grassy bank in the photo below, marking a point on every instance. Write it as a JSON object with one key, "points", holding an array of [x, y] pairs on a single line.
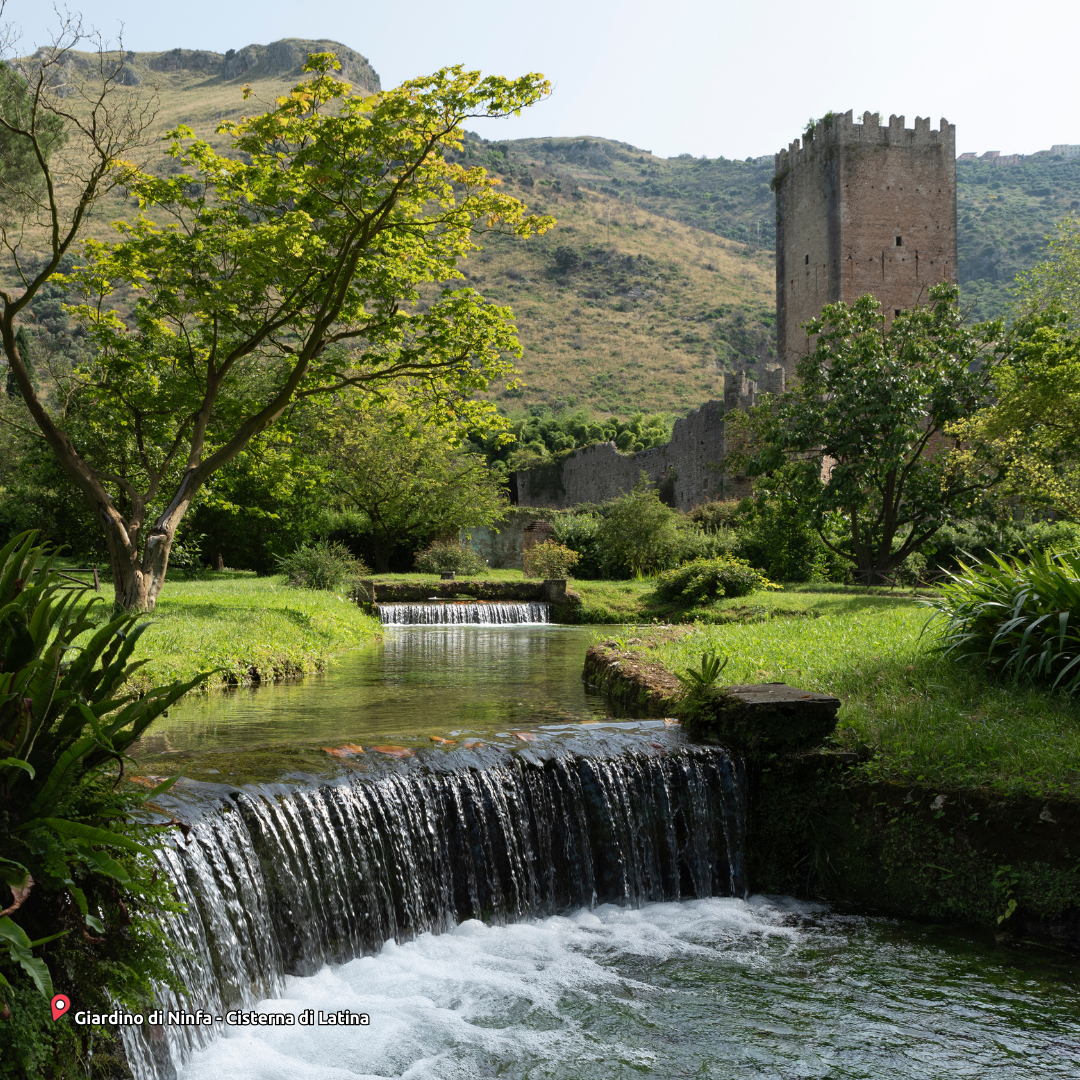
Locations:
{"points": [[929, 722], [255, 628]]}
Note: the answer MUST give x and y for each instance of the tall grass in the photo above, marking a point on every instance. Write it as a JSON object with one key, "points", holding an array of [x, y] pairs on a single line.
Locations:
{"points": [[929, 720]]}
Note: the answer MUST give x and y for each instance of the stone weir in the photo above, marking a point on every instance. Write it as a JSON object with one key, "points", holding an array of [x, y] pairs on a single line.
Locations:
{"points": [[369, 593], [280, 880]]}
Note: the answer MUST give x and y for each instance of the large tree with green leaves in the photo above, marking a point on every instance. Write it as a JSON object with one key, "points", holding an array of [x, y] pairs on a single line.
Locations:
{"points": [[861, 436], [315, 257], [1032, 428], [405, 469]]}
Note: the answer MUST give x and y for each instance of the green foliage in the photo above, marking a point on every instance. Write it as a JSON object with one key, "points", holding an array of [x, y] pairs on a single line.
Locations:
{"points": [[401, 465], [86, 906], [444, 555], [542, 433], [258, 287], [703, 580], [775, 535], [581, 533], [860, 434], [323, 565], [705, 677], [1004, 216], [1020, 618], [978, 537], [638, 534], [550, 560], [717, 515]]}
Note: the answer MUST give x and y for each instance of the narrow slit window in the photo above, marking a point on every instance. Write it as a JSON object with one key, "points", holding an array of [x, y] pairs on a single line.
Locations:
{"points": [[807, 260], [899, 241]]}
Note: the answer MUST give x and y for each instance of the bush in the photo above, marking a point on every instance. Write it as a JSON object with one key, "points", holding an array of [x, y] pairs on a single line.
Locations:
{"points": [[323, 565], [1019, 618], [88, 907], [710, 579], [777, 538], [444, 555], [550, 559], [581, 533], [639, 534], [721, 514]]}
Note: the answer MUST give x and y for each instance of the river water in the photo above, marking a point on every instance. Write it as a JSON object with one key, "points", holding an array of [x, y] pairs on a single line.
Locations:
{"points": [[669, 982]]}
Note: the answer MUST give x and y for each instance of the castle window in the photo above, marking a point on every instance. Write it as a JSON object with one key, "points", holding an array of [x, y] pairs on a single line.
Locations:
{"points": [[807, 260], [899, 241], [896, 311]]}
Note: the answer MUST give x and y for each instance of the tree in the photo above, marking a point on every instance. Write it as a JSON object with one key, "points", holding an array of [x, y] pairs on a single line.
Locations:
{"points": [[313, 259], [407, 473], [862, 433], [1033, 426]]}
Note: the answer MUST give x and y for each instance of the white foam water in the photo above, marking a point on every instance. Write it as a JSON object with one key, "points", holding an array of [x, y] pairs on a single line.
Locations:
{"points": [[458, 613], [719, 987]]}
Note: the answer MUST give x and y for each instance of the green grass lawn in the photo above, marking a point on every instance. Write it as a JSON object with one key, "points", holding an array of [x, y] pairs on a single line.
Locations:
{"points": [[240, 622], [929, 721]]}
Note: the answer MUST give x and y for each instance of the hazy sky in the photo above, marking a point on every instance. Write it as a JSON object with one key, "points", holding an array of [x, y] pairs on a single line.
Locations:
{"points": [[705, 78]]}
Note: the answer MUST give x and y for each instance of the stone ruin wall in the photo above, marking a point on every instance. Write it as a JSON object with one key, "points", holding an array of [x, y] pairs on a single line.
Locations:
{"points": [[687, 471]]}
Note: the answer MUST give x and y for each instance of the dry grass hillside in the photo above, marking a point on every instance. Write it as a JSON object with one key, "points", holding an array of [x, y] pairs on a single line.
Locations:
{"points": [[619, 309]]}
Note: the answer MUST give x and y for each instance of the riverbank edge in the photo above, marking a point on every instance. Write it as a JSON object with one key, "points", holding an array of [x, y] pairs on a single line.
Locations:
{"points": [[818, 828]]}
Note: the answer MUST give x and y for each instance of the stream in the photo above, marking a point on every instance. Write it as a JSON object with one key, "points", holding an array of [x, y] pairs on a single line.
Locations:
{"points": [[504, 881]]}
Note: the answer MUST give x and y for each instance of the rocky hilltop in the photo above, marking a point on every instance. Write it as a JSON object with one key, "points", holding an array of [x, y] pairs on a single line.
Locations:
{"points": [[279, 59]]}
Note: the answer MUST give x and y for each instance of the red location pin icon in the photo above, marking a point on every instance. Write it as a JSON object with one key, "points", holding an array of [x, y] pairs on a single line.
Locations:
{"points": [[60, 1005]]}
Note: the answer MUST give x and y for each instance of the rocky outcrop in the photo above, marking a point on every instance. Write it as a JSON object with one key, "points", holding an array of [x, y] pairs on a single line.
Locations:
{"points": [[285, 58]]}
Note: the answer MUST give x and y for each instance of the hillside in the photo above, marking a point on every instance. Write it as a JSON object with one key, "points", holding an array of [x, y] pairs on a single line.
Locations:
{"points": [[659, 276], [1004, 211]]}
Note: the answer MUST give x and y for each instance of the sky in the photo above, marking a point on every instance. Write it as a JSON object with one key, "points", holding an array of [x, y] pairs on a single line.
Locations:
{"points": [[704, 77]]}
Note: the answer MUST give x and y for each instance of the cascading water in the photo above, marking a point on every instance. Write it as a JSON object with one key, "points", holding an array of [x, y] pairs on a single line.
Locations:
{"points": [[475, 613], [278, 881]]}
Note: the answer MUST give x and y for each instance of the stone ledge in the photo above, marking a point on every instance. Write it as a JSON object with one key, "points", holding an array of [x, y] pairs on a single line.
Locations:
{"points": [[753, 719]]}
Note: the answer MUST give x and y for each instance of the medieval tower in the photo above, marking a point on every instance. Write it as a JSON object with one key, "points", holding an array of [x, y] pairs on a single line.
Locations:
{"points": [[862, 208]]}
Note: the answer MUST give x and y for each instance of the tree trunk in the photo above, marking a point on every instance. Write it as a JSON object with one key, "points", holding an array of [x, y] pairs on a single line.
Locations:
{"points": [[137, 581]]}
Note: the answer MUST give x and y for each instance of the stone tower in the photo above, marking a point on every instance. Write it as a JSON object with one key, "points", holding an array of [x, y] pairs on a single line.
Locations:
{"points": [[862, 208]]}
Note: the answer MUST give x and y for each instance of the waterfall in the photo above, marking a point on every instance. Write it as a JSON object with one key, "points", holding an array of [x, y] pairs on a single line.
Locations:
{"points": [[472, 612], [278, 881]]}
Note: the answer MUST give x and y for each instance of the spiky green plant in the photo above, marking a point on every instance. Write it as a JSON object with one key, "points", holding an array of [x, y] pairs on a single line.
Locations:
{"points": [[71, 853], [1018, 617], [705, 678]]}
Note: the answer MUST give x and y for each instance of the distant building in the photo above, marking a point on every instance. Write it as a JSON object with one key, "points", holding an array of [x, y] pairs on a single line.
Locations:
{"points": [[1065, 150], [862, 208]]}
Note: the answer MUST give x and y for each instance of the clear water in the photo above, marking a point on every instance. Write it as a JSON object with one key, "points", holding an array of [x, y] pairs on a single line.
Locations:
{"points": [[722, 987], [718, 988], [452, 682]]}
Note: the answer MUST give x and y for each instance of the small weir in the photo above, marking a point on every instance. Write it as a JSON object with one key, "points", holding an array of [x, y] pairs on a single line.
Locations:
{"points": [[278, 881], [464, 612]]}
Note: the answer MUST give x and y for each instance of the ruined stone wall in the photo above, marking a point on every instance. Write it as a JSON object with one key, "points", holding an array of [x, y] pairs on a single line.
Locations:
{"points": [[862, 208], [687, 471]]}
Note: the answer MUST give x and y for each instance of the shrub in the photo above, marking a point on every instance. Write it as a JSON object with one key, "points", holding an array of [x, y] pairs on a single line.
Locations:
{"points": [[721, 514], [445, 555], [774, 536], [323, 565], [75, 846], [710, 579], [581, 533], [1020, 618], [638, 534], [550, 559]]}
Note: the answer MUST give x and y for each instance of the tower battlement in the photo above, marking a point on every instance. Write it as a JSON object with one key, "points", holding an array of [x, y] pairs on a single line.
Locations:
{"points": [[862, 208], [841, 129]]}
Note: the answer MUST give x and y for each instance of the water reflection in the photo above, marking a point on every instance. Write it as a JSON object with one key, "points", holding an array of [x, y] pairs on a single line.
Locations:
{"points": [[420, 681]]}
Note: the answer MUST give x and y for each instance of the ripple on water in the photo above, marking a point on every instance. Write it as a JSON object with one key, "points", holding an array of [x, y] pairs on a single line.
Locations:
{"points": [[718, 987]]}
